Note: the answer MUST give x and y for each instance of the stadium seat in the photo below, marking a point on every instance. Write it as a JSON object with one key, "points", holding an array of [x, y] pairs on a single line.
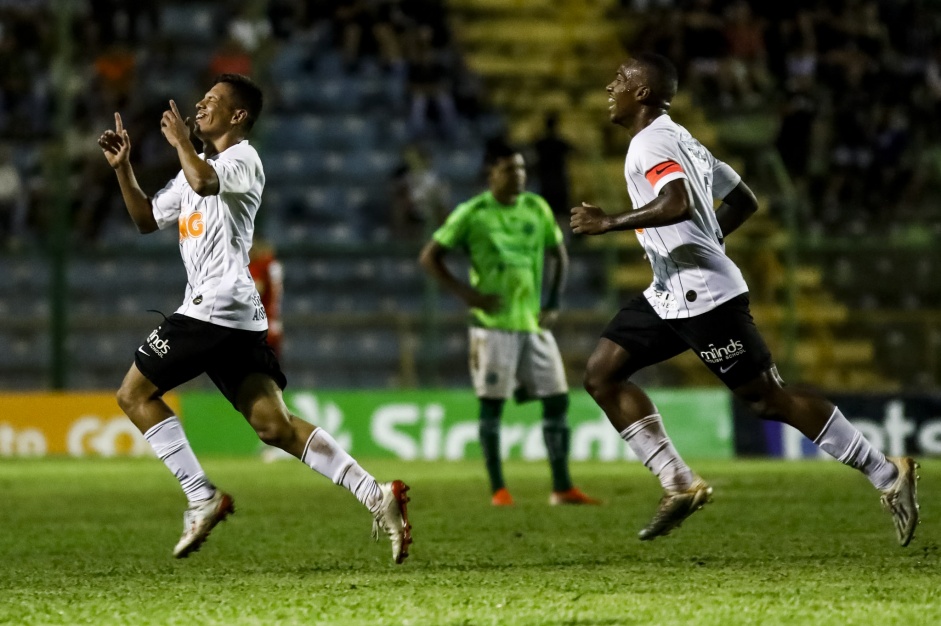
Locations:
{"points": [[294, 166], [459, 166], [282, 133], [348, 132], [335, 95], [189, 22], [288, 60]]}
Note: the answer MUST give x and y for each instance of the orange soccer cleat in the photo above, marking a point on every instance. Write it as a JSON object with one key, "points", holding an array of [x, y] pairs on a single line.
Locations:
{"points": [[391, 519], [571, 496], [501, 497]]}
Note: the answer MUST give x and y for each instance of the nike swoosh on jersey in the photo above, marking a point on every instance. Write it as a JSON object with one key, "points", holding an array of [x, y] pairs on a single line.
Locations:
{"points": [[658, 171], [142, 351], [723, 370]]}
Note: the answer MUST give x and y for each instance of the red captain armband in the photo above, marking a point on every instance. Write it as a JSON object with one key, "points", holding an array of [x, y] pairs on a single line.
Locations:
{"points": [[658, 171]]}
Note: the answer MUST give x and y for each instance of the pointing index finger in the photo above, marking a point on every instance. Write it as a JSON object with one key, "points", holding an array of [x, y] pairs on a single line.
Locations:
{"points": [[175, 110], [118, 124]]}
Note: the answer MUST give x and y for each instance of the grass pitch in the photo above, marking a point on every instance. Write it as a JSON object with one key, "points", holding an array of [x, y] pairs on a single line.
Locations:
{"points": [[88, 542]]}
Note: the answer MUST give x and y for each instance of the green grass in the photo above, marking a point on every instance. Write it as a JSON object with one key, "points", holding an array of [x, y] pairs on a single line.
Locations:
{"points": [[795, 543]]}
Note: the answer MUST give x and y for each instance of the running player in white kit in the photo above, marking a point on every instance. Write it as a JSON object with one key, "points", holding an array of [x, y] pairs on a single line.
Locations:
{"points": [[220, 328], [698, 300]]}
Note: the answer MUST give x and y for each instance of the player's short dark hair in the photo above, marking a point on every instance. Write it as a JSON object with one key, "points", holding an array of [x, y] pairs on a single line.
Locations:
{"points": [[248, 95], [497, 149], [661, 76]]}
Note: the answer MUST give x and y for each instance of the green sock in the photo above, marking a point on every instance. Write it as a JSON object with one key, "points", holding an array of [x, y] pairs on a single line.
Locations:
{"points": [[490, 411], [555, 431]]}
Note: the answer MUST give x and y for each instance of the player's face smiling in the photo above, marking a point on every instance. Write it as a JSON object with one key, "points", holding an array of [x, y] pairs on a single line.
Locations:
{"points": [[214, 112], [508, 176], [621, 99]]}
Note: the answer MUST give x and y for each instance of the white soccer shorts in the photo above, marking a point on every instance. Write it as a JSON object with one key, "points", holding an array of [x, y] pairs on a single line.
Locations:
{"points": [[503, 360]]}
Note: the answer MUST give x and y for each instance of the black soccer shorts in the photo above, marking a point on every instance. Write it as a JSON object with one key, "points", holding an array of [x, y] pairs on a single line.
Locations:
{"points": [[182, 348], [725, 339]]}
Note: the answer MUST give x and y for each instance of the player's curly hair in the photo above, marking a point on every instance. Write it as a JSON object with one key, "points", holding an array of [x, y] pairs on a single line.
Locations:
{"points": [[248, 95], [661, 76]]}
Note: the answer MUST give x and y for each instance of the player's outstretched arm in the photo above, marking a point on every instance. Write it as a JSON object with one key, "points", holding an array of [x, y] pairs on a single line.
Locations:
{"points": [[432, 260], [116, 146], [736, 207], [672, 206], [557, 277]]}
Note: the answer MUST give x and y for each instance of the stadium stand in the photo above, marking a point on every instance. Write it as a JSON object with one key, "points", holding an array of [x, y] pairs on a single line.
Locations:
{"points": [[840, 263]]}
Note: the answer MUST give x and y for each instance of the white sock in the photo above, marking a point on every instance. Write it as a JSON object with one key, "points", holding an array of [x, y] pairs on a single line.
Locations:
{"points": [[169, 442], [653, 447], [846, 444], [325, 456]]}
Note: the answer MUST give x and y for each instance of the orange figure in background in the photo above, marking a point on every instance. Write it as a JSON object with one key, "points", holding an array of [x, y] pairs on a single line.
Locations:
{"points": [[269, 281]]}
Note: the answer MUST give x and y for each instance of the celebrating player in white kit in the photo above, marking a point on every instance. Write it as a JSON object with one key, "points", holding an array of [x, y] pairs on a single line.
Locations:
{"points": [[698, 300], [221, 326]]}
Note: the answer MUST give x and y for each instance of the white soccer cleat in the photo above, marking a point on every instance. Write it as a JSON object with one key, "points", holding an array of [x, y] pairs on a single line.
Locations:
{"points": [[199, 520], [901, 499], [392, 518], [674, 507]]}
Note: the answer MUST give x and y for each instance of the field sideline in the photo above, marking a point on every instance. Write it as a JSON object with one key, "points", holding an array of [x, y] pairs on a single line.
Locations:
{"points": [[784, 542]]}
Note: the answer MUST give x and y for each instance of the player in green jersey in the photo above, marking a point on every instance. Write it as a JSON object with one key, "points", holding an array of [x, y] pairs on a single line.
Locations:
{"points": [[506, 233]]}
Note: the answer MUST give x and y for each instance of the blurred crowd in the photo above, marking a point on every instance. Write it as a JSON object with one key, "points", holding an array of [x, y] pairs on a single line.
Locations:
{"points": [[855, 87], [124, 59], [855, 84]]}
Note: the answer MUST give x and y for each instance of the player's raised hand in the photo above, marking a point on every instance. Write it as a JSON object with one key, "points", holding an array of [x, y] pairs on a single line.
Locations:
{"points": [[115, 144], [588, 220], [175, 129]]}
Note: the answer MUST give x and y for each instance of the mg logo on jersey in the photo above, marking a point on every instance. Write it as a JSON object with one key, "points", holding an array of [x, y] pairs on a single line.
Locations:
{"points": [[723, 353], [158, 345], [192, 225]]}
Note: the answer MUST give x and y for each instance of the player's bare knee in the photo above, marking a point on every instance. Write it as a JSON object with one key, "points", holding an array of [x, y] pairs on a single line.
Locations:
{"points": [[128, 398], [597, 381], [122, 399]]}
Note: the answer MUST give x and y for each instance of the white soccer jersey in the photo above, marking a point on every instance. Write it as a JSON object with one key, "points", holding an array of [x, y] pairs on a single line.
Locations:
{"points": [[691, 272], [215, 237]]}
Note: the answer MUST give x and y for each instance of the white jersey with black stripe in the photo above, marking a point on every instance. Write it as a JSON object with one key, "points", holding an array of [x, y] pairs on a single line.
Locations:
{"points": [[215, 237], [691, 272]]}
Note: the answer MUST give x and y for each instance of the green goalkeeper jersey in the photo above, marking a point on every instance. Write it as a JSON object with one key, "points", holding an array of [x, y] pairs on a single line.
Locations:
{"points": [[506, 246]]}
